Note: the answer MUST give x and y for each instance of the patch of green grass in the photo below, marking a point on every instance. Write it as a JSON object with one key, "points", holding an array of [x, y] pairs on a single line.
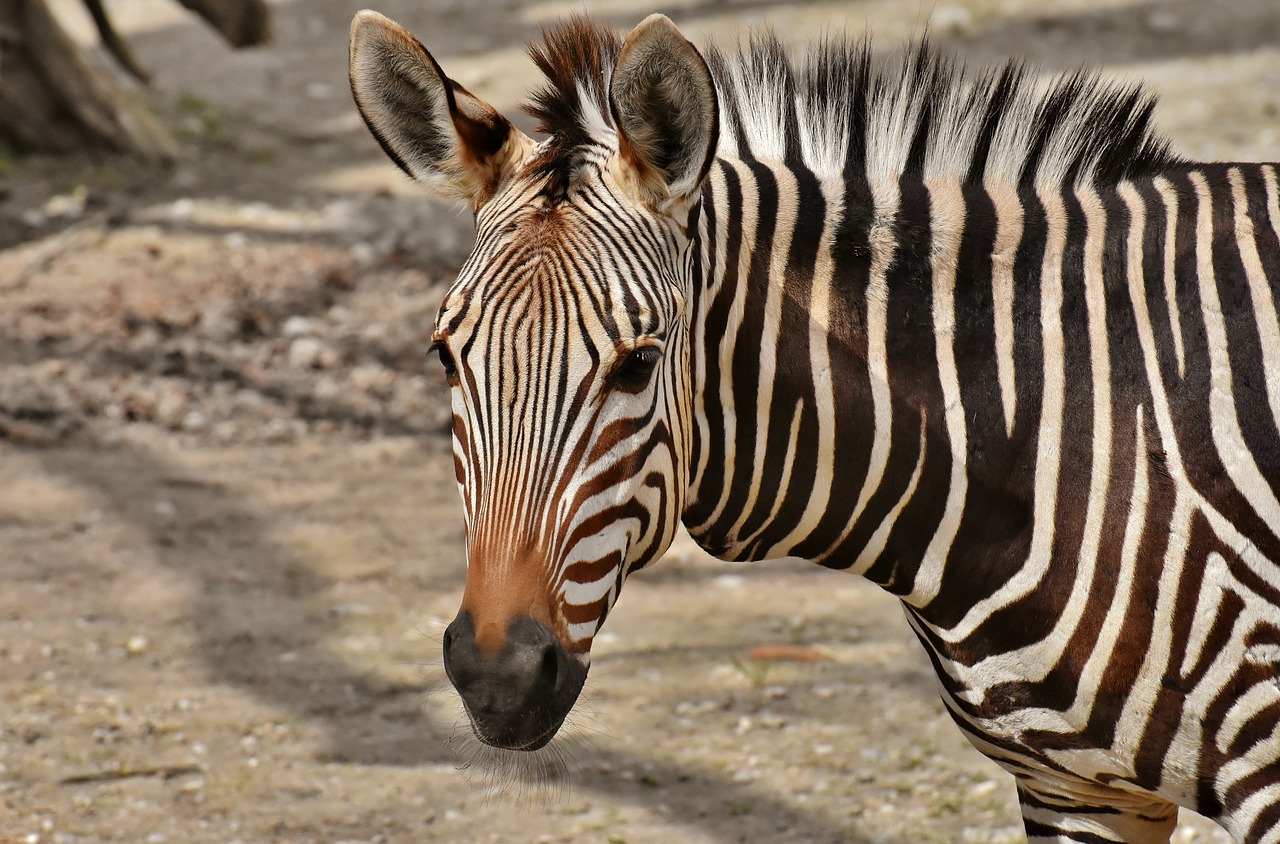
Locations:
{"points": [[756, 671], [947, 804], [192, 104], [260, 155]]}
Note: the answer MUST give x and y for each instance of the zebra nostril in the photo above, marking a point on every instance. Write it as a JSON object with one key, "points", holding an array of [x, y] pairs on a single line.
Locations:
{"points": [[550, 668]]}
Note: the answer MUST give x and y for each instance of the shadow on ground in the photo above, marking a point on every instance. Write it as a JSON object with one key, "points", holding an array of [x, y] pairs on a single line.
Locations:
{"points": [[257, 601]]}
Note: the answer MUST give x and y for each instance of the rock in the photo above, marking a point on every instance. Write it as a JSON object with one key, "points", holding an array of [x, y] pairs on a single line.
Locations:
{"points": [[310, 353], [297, 326], [220, 323]]}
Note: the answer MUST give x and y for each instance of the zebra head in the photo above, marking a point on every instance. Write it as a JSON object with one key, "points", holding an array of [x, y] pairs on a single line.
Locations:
{"points": [[564, 339]]}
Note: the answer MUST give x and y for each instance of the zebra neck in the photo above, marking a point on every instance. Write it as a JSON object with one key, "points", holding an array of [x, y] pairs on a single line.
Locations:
{"points": [[828, 417]]}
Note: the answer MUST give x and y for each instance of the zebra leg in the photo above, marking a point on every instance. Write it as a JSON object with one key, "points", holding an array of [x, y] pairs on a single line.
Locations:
{"points": [[1053, 820]]}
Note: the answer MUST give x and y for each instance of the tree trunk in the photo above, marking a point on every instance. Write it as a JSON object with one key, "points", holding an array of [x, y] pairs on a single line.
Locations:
{"points": [[50, 101]]}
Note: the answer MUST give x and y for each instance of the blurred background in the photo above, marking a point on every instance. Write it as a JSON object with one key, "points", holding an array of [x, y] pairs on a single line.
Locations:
{"points": [[229, 534]]}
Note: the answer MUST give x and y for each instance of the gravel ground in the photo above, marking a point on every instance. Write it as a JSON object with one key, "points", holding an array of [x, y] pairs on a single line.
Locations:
{"points": [[229, 536]]}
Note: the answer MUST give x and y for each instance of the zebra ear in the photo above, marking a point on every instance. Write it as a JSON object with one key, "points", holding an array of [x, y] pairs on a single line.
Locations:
{"points": [[664, 107], [434, 129]]}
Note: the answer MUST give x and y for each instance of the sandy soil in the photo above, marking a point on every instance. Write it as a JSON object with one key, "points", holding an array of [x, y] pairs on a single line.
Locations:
{"points": [[229, 538]]}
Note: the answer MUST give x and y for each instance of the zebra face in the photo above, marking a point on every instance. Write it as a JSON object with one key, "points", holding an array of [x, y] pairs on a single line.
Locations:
{"points": [[567, 430], [564, 343]]}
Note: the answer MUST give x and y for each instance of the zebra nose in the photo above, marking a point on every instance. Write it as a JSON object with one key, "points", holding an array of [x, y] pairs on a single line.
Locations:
{"points": [[517, 694]]}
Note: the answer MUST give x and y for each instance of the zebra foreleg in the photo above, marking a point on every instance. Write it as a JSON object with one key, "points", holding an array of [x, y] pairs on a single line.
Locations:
{"points": [[1050, 820]]}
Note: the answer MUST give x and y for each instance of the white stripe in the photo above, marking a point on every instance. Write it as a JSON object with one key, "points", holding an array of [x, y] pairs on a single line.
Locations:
{"points": [[947, 225], [883, 242], [779, 495], [1170, 277], [1003, 255], [714, 283], [879, 539]]}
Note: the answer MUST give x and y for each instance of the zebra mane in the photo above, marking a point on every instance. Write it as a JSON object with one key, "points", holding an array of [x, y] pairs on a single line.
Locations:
{"points": [[917, 114]]}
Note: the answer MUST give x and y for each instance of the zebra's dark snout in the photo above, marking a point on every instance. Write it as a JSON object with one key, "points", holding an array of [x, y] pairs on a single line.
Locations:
{"points": [[518, 694]]}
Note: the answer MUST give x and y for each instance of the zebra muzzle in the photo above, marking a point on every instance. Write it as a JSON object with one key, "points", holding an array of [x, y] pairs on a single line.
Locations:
{"points": [[518, 694]]}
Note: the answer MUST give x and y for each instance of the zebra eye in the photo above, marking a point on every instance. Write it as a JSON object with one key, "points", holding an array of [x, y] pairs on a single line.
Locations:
{"points": [[633, 373], [446, 360]]}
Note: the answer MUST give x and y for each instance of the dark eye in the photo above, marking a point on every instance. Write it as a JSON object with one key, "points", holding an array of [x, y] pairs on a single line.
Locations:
{"points": [[446, 360], [632, 374]]}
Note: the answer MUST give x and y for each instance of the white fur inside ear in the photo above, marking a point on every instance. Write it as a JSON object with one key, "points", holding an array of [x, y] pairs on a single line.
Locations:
{"points": [[665, 108], [404, 98]]}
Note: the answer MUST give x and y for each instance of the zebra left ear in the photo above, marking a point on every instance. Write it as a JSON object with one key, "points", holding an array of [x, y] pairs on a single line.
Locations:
{"points": [[434, 129], [664, 107]]}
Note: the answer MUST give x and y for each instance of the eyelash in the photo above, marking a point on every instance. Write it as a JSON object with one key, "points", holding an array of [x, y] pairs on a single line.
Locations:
{"points": [[633, 373], [446, 360]]}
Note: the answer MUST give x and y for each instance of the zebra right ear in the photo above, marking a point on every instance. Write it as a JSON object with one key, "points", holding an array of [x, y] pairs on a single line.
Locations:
{"points": [[665, 109], [434, 129]]}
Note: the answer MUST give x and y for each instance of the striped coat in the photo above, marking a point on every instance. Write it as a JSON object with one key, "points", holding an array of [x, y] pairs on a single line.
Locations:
{"points": [[980, 338]]}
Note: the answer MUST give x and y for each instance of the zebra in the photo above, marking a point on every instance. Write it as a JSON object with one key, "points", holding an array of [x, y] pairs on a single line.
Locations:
{"points": [[982, 338]]}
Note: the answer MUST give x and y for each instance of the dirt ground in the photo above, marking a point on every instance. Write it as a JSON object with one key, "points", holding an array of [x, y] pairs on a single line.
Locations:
{"points": [[229, 537]]}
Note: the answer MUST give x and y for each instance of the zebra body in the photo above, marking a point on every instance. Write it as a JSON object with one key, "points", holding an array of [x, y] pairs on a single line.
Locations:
{"points": [[1078, 497], [985, 343]]}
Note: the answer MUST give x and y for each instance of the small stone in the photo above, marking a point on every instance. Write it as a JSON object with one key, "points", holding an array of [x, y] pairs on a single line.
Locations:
{"points": [[365, 254], [296, 326], [220, 323], [310, 353], [730, 581], [180, 209], [67, 205], [983, 789], [1162, 20], [137, 644]]}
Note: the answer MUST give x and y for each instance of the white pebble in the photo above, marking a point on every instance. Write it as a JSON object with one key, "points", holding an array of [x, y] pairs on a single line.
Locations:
{"points": [[296, 326]]}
